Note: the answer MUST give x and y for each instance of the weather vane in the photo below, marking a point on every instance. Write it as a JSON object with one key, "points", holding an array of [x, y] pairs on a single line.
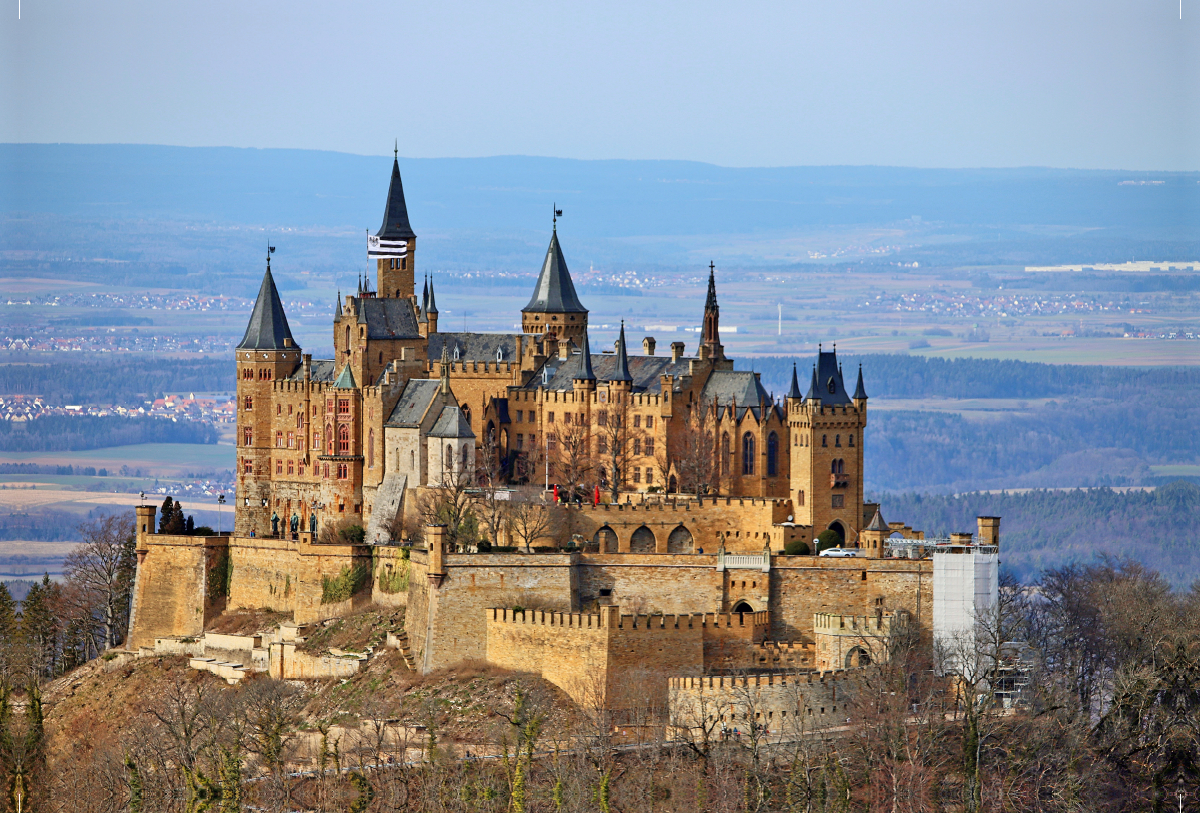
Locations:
{"points": [[270, 251], [557, 215]]}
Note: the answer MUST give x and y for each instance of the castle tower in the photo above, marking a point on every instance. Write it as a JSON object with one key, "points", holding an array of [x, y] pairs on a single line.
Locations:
{"points": [[394, 246], [826, 428], [585, 379], [554, 306], [266, 354], [341, 460]]}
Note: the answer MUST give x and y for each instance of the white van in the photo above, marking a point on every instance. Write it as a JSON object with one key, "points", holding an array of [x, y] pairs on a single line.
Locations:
{"points": [[850, 553]]}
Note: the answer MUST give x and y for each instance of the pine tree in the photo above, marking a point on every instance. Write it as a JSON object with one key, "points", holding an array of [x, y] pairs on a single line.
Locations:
{"points": [[166, 515]]}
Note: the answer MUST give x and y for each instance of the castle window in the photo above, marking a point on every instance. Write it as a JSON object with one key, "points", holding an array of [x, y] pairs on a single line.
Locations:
{"points": [[300, 420], [325, 471], [317, 441], [247, 436], [637, 421], [289, 409], [247, 467], [291, 467], [549, 417], [343, 406], [837, 440], [601, 444], [278, 440], [520, 442], [371, 449], [343, 471], [637, 446], [520, 415], [800, 497], [381, 357], [602, 418], [772, 455], [448, 460], [249, 402], [824, 440], [747, 453], [466, 410], [279, 409], [839, 500], [344, 440], [649, 475], [551, 442], [279, 467], [850, 440], [291, 440], [329, 436], [463, 456], [637, 475], [649, 447], [404, 263], [300, 468], [726, 455], [649, 421]]}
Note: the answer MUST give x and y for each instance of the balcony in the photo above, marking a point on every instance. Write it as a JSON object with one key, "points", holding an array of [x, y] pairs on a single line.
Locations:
{"points": [[839, 481]]}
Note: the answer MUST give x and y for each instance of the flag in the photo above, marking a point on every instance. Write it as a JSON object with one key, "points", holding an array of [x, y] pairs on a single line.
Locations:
{"points": [[596, 498], [378, 247]]}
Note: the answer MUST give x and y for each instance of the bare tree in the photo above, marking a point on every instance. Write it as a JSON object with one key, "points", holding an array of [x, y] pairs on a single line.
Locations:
{"points": [[690, 451], [492, 495], [99, 575], [571, 455], [614, 448], [531, 518], [451, 503]]}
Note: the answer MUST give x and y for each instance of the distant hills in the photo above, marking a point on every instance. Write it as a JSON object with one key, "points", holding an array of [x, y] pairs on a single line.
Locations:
{"points": [[631, 201]]}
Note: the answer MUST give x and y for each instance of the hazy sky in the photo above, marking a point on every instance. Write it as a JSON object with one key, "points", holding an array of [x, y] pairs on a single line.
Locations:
{"points": [[1062, 83]]}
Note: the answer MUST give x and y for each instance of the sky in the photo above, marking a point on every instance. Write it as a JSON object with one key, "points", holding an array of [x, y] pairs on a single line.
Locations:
{"points": [[1099, 84]]}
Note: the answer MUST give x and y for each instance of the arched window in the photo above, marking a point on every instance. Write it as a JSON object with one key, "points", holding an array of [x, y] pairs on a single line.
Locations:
{"points": [[772, 455], [463, 456], [725, 454], [381, 357], [448, 460], [833, 467], [800, 497], [371, 449], [247, 436], [824, 440], [329, 439], [747, 453], [837, 440], [851, 440], [466, 410], [344, 440], [299, 420]]}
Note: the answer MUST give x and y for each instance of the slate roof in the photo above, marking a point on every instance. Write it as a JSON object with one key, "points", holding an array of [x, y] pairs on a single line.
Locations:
{"points": [[585, 362], [268, 323], [395, 213], [414, 402], [388, 318], [451, 424], [860, 392], [726, 387], [560, 374], [321, 370], [621, 367], [831, 389], [794, 390], [877, 523], [475, 346], [554, 292]]}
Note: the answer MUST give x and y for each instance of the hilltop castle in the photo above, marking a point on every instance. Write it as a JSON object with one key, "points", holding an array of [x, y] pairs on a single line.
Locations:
{"points": [[697, 496]]}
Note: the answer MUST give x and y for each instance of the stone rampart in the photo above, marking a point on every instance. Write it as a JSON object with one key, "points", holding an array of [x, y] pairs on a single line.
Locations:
{"points": [[170, 595], [745, 524], [780, 706], [291, 576]]}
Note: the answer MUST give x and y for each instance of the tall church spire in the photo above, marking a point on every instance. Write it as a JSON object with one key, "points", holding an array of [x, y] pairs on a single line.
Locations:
{"points": [[395, 213], [710, 332]]}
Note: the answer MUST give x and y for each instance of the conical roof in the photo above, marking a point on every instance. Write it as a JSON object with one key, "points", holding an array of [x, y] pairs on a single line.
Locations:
{"points": [[345, 380], [794, 390], [268, 323], [711, 301], [585, 362], [877, 523], [432, 307], [813, 392], [621, 370], [554, 292], [860, 392], [395, 214]]}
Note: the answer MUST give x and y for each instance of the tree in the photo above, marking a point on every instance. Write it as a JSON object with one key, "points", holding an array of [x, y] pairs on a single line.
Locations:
{"points": [[172, 520], [99, 576], [530, 518], [452, 504], [492, 495], [690, 451], [614, 451], [572, 457]]}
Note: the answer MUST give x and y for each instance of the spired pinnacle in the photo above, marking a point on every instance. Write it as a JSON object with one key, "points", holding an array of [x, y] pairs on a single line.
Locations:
{"points": [[860, 392], [432, 308], [813, 392], [794, 390], [621, 371], [585, 362]]}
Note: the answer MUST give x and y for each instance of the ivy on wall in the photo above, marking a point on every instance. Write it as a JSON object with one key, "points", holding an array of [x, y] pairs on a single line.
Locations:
{"points": [[348, 582], [220, 577]]}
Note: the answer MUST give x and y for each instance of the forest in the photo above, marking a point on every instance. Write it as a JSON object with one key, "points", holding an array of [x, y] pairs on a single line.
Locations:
{"points": [[55, 433], [118, 382]]}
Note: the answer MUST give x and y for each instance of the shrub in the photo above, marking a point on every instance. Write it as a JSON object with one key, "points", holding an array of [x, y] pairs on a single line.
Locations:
{"points": [[484, 546], [203, 530], [797, 547], [348, 582]]}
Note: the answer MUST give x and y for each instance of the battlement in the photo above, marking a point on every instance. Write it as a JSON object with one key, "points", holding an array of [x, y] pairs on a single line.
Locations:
{"points": [[610, 617], [684, 506], [755, 681], [856, 625]]}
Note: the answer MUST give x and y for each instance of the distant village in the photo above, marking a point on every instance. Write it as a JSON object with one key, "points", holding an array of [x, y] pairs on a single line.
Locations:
{"points": [[217, 410]]}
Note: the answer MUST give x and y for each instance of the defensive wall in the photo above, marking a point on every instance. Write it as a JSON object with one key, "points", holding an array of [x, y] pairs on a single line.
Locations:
{"points": [[614, 660], [846, 641], [785, 705]]}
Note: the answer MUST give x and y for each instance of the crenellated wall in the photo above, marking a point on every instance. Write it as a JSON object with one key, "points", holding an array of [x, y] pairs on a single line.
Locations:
{"points": [[780, 706]]}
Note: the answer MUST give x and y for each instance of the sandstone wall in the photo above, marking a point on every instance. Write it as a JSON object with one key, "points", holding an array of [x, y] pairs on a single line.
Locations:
{"points": [[651, 583], [744, 523], [287, 575], [785, 705], [568, 649], [170, 588]]}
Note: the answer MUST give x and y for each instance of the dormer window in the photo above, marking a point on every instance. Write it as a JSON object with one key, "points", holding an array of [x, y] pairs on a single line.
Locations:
{"points": [[456, 352], [832, 386], [499, 354]]}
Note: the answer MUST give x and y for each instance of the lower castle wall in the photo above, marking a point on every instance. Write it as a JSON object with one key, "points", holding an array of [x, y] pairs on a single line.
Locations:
{"points": [[287, 576], [568, 649], [788, 706], [169, 590]]}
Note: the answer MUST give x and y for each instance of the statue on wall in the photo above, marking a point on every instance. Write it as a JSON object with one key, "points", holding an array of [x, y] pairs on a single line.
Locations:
{"points": [[312, 524], [274, 524], [295, 523]]}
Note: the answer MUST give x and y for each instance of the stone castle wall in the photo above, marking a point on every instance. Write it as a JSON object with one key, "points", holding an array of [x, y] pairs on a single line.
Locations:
{"points": [[785, 705]]}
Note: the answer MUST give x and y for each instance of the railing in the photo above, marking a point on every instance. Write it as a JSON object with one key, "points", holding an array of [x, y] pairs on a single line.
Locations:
{"points": [[839, 481], [743, 561]]}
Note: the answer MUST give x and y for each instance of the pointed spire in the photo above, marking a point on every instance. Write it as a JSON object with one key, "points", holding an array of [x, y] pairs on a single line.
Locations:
{"points": [[395, 213], [425, 295], [432, 308], [711, 300], [877, 522], [445, 385], [860, 392], [794, 390], [621, 371], [554, 292], [345, 379], [268, 327], [585, 362], [710, 333], [360, 291], [339, 303], [813, 392]]}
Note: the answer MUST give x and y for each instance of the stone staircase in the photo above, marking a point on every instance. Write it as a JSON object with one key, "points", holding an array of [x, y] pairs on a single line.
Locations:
{"points": [[399, 640]]}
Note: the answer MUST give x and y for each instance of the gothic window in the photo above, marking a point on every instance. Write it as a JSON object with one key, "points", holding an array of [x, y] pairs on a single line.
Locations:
{"points": [[800, 497], [463, 456], [344, 440], [747, 453], [726, 455], [249, 402], [824, 440], [772, 455], [300, 420], [841, 466], [247, 436], [837, 440], [371, 449], [850, 440], [448, 460]]}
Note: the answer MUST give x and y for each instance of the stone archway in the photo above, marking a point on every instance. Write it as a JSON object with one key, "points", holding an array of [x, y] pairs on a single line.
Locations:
{"points": [[606, 540], [743, 607], [838, 528], [857, 657], [642, 541], [680, 541]]}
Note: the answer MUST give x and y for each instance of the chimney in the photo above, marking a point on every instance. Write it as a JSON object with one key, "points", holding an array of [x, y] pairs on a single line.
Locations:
{"points": [[564, 350], [676, 351], [648, 345]]}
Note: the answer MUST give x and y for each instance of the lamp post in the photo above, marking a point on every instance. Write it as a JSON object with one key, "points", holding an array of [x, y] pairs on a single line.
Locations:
{"points": [[220, 502]]}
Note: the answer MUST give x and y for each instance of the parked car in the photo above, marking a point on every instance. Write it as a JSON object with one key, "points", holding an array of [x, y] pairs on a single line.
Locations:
{"points": [[843, 552]]}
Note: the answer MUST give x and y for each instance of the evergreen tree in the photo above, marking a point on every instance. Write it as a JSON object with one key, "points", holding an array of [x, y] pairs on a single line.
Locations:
{"points": [[165, 514], [8, 634]]}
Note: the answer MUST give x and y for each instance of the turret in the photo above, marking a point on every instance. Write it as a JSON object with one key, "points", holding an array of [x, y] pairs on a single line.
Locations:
{"points": [[431, 311], [554, 306], [585, 378], [621, 379]]}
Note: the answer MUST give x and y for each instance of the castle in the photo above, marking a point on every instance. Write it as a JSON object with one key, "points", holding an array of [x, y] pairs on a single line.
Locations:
{"points": [[693, 498]]}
